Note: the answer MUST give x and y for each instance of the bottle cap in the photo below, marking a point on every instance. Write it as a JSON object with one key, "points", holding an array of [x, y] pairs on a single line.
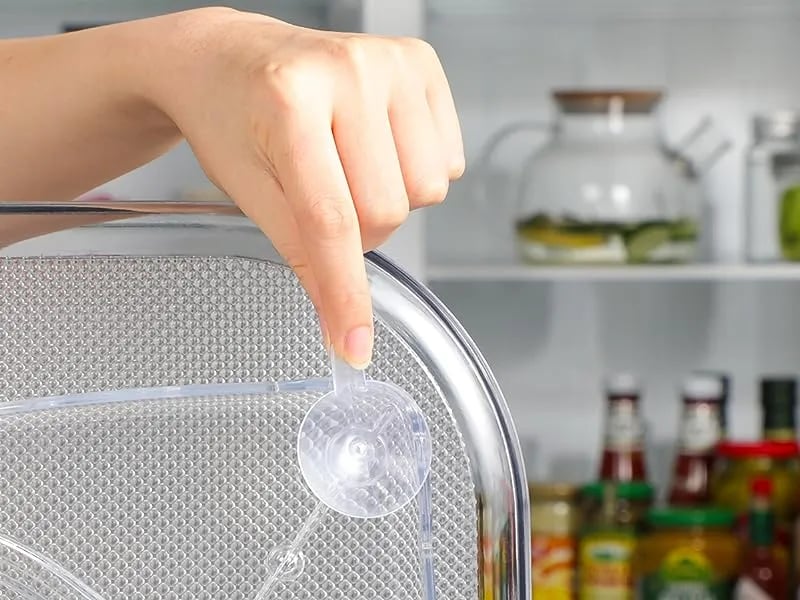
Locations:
{"points": [[630, 490], [622, 384], [703, 387], [762, 449], [680, 517]]}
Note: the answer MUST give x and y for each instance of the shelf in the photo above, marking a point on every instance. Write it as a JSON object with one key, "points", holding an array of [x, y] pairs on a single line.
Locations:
{"points": [[589, 10], [698, 272]]}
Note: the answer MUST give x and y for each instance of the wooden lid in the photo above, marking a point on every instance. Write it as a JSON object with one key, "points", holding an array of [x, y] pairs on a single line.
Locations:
{"points": [[589, 101]]}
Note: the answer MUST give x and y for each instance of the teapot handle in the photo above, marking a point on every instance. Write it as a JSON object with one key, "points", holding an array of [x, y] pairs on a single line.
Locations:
{"points": [[701, 147], [495, 142]]}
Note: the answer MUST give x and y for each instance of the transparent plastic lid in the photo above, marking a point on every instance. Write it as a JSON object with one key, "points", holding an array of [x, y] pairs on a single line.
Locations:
{"points": [[221, 508]]}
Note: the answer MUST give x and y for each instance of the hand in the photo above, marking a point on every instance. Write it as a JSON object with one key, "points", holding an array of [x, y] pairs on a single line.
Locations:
{"points": [[325, 140]]}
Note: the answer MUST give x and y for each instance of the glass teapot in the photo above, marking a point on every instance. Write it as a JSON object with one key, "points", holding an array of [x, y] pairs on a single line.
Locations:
{"points": [[605, 188]]}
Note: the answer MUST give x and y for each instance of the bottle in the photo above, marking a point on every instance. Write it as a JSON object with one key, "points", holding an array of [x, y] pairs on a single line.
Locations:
{"points": [[773, 169], [623, 452], [687, 554], [554, 527], [725, 380], [700, 432], [612, 520], [778, 406], [764, 571]]}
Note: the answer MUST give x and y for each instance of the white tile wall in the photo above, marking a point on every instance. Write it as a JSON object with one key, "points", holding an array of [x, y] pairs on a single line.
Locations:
{"points": [[550, 344]]}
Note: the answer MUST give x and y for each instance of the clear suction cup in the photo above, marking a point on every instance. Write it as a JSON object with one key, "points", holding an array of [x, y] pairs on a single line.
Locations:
{"points": [[364, 449]]}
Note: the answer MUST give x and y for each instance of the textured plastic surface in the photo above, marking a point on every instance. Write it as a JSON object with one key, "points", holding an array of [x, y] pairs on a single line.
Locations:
{"points": [[141, 502], [390, 484]]}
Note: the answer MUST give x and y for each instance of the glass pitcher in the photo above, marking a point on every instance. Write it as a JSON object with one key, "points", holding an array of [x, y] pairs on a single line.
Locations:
{"points": [[606, 189]]}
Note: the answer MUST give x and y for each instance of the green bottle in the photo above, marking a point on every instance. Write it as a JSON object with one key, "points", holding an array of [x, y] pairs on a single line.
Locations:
{"points": [[779, 407]]}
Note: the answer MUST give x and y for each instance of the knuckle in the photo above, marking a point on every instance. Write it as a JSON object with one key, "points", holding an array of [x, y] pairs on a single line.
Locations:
{"points": [[429, 191], [349, 51], [328, 219], [385, 215], [422, 48], [286, 86], [349, 301]]}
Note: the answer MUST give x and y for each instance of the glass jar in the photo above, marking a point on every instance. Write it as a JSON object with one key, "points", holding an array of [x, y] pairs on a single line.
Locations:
{"points": [[612, 515], [773, 188], [554, 526], [738, 463], [687, 553], [606, 189]]}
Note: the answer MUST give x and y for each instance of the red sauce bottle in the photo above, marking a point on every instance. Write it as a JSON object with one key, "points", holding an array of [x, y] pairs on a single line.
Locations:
{"points": [[764, 571], [700, 431], [623, 443]]}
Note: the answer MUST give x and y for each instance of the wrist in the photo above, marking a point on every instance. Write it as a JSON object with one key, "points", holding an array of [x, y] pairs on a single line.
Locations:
{"points": [[169, 55]]}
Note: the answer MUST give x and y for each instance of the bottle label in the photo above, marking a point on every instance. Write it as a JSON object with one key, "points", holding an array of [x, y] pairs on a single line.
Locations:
{"points": [[553, 567], [700, 428], [623, 426], [606, 568], [747, 589], [685, 574]]}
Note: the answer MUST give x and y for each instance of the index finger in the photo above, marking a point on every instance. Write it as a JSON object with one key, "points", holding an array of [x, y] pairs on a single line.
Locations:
{"points": [[315, 186]]}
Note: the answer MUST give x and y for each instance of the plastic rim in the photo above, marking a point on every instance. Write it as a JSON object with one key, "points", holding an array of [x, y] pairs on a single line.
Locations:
{"points": [[691, 517], [634, 490], [766, 449]]}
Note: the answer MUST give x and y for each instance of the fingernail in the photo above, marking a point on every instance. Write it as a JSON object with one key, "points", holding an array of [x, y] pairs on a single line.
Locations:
{"points": [[358, 347]]}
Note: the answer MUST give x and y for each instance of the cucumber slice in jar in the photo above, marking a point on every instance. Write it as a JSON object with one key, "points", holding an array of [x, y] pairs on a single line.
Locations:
{"points": [[643, 241]]}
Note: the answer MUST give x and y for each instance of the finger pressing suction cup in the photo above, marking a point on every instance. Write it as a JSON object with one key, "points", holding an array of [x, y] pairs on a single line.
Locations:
{"points": [[364, 449]]}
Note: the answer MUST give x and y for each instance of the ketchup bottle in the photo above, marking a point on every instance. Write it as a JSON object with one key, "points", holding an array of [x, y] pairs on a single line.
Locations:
{"points": [[623, 442], [700, 431]]}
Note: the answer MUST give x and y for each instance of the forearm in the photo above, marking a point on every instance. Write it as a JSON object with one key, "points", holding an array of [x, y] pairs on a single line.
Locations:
{"points": [[74, 111]]}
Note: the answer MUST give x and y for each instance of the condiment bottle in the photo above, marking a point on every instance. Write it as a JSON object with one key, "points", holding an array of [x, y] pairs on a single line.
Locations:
{"points": [[700, 432], [772, 190], [778, 405], [613, 515], [554, 529], [687, 553], [725, 380], [764, 570], [623, 452]]}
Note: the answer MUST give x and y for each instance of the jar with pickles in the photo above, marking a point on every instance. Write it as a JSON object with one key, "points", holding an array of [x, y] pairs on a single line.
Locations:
{"points": [[613, 514], [687, 553], [738, 463]]}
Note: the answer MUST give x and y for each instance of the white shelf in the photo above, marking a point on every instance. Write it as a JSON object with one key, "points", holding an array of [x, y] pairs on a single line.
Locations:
{"points": [[586, 10], [698, 272]]}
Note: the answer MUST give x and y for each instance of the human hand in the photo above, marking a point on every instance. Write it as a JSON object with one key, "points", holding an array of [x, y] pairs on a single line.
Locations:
{"points": [[325, 140]]}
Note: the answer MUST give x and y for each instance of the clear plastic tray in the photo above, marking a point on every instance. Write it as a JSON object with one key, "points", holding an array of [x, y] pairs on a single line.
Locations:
{"points": [[216, 491]]}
